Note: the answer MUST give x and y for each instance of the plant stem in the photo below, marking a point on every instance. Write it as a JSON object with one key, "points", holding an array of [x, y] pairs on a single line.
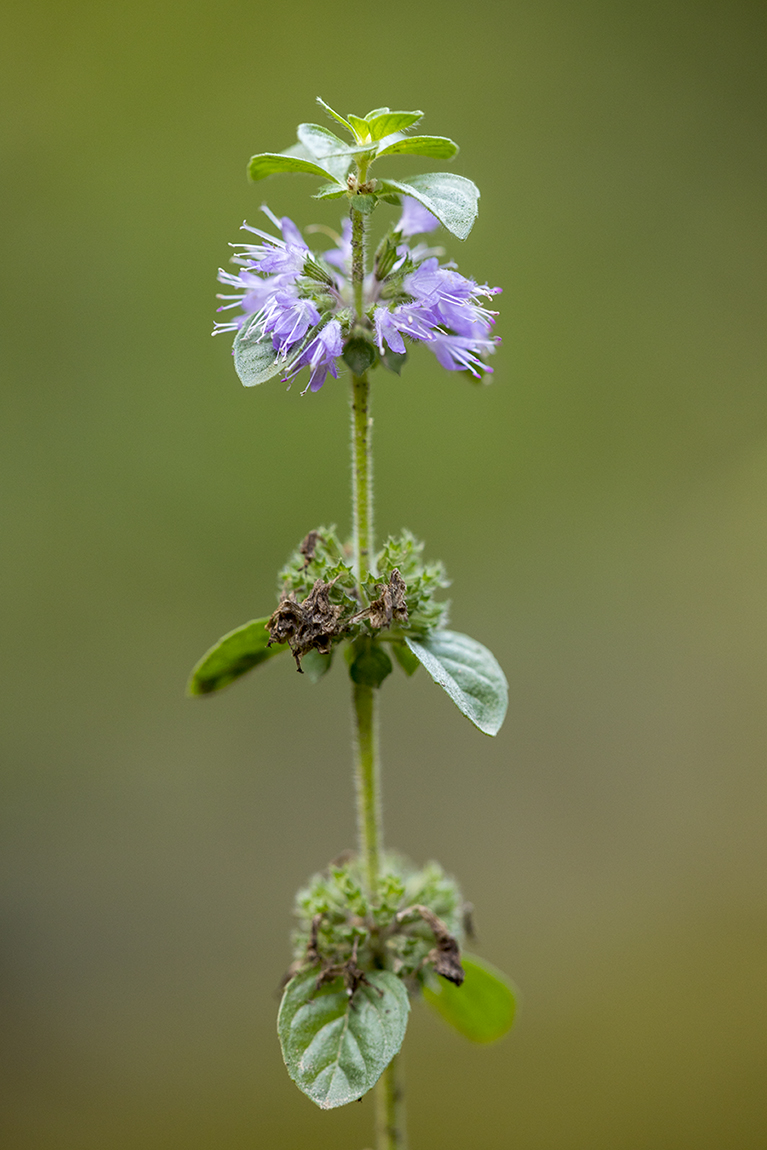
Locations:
{"points": [[368, 783], [365, 698], [362, 479], [359, 235], [390, 1112], [390, 1108]]}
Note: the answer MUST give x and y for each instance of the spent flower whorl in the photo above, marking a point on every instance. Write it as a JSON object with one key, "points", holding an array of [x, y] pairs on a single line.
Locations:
{"points": [[303, 302]]}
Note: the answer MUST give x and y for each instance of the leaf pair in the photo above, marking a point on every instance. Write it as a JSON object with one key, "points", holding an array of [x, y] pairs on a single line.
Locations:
{"points": [[463, 667], [336, 1047], [319, 152]]}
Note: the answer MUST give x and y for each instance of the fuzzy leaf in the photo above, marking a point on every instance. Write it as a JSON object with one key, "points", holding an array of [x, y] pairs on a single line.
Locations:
{"points": [[482, 1008], [255, 359], [452, 199], [335, 115], [361, 127], [370, 665], [359, 354], [328, 150], [232, 656], [387, 122], [469, 673], [269, 163], [376, 112], [315, 664], [321, 141], [363, 202], [335, 1048], [439, 147], [329, 192], [406, 659], [394, 360]]}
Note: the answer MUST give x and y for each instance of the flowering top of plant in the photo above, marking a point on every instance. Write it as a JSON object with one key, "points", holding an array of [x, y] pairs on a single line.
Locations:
{"points": [[297, 308]]}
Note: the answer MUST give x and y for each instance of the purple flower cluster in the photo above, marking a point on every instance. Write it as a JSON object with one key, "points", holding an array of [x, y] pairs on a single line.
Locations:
{"points": [[304, 302]]}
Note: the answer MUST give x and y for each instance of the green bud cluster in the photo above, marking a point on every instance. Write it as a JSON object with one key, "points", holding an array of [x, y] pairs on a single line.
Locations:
{"points": [[338, 895], [322, 556]]}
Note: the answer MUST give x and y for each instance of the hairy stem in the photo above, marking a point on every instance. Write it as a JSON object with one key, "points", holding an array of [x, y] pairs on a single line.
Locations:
{"points": [[362, 479], [359, 236], [390, 1113], [368, 783], [390, 1108]]}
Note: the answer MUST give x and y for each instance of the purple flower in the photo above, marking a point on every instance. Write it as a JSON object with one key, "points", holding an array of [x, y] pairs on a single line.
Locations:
{"points": [[415, 219], [280, 296], [459, 354], [407, 319], [288, 318], [453, 298], [319, 356]]}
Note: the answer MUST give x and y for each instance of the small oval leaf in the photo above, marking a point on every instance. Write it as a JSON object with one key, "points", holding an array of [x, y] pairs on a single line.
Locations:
{"points": [[233, 655], [482, 1008], [336, 115], [315, 664], [336, 1048], [451, 198], [270, 163], [255, 359], [469, 673], [387, 122], [438, 147]]}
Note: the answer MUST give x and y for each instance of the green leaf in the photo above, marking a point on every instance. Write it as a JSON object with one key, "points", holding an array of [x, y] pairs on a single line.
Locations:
{"points": [[363, 202], [482, 1008], [269, 163], [452, 199], [315, 664], [361, 127], [469, 673], [370, 664], [329, 192], [336, 1048], [336, 116], [359, 354], [321, 141], [440, 147], [255, 359], [332, 153], [376, 112], [232, 656], [387, 122], [394, 360], [405, 657]]}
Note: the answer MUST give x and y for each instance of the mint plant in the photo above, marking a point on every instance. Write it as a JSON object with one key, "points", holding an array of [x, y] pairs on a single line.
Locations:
{"points": [[374, 931]]}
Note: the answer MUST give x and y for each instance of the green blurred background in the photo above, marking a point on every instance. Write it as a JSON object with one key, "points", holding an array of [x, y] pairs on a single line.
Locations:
{"points": [[601, 508]]}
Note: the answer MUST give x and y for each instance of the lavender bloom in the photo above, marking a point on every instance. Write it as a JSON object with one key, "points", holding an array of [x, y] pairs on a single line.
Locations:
{"points": [[454, 297], [288, 318], [458, 354], [406, 318], [283, 291], [415, 219], [320, 357]]}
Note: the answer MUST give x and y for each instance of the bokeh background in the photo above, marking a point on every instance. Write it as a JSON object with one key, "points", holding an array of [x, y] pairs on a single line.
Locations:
{"points": [[601, 508]]}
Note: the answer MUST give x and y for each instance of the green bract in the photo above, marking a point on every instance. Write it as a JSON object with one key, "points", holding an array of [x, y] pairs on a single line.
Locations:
{"points": [[348, 913]]}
